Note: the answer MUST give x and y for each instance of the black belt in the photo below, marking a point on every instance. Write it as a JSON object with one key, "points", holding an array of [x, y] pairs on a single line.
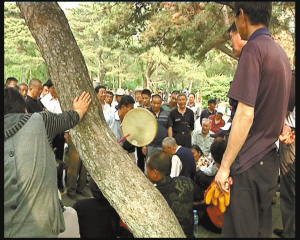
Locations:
{"points": [[182, 132]]}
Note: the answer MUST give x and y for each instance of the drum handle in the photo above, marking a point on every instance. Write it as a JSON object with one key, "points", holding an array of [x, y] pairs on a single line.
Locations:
{"points": [[123, 139]]}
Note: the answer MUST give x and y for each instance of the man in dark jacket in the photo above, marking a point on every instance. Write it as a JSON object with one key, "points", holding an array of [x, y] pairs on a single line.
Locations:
{"points": [[179, 192]]}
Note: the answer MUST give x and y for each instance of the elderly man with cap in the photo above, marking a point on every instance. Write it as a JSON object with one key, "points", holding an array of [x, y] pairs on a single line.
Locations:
{"points": [[120, 92], [209, 111], [217, 121], [138, 96]]}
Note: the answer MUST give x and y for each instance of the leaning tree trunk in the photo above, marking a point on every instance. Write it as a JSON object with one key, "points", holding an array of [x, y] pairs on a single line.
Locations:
{"points": [[138, 202]]}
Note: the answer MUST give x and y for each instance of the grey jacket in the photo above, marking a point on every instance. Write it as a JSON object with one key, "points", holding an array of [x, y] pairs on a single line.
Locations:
{"points": [[31, 204]]}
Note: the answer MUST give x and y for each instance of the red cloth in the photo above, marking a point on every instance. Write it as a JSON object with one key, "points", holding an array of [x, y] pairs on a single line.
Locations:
{"points": [[216, 216]]}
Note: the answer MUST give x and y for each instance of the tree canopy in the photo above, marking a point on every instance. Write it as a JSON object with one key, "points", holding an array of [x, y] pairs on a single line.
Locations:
{"points": [[170, 45]]}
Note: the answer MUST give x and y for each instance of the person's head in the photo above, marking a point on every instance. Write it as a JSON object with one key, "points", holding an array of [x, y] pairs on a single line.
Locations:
{"points": [[212, 104], [197, 152], [11, 81], [13, 101], [169, 145], [125, 105], [45, 90], [119, 94], [173, 100], [221, 135], [156, 102], [219, 115], [160, 93], [97, 193], [23, 89], [138, 94], [217, 150], [158, 165], [146, 96], [181, 100], [249, 14], [192, 97], [101, 92], [237, 42], [206, 124], [109, 97], [35, 88], [51, 88], [127, 91]]}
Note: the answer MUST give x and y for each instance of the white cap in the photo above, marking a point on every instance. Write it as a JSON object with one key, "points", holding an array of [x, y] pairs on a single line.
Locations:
{"points": [[138, 89], [120, 92], [220, 110]]}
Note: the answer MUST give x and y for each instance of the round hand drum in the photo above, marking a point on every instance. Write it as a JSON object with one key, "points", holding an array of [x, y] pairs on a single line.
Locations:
{"points": [[141, 125]]}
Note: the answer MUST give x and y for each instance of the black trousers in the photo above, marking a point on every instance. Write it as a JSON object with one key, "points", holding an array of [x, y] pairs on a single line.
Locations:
{"points": [[184, 140], [249, 214], [287, 188], [141, 158]]}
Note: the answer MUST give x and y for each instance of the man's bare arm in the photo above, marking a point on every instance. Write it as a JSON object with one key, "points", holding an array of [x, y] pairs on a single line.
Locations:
{"points": [[241, 125]]}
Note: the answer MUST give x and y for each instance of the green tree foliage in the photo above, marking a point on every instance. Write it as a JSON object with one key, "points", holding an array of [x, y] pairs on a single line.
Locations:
{"points": [[173, 46], [22, 58]]}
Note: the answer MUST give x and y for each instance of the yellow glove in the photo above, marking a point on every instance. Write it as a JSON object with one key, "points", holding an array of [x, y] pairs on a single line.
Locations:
{"points": [[209, 193], [227, 198], [221, 203]]}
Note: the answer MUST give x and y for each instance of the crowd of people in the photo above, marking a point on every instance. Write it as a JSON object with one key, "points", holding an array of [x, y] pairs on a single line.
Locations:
{"points": [[42, 163]]}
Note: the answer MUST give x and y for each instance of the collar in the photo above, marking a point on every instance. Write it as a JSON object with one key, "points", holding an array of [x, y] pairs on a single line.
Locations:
{"points": [[177, 149], [14, 122], [165, 180], [210, 132], [258, 32], [34, 99], [151, 110], [47, 97], [189, 104], [211, 111]]}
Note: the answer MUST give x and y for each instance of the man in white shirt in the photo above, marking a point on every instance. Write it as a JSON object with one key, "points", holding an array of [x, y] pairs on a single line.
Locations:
{"points": [[101, 95], [193, 106], [50, 100]]}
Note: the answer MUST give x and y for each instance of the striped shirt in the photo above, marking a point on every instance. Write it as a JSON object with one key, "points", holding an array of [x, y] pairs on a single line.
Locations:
{"points": [[54, 123]]}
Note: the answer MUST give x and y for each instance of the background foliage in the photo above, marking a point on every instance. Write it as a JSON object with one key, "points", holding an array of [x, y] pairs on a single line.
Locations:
{"points": [[170, 46]]}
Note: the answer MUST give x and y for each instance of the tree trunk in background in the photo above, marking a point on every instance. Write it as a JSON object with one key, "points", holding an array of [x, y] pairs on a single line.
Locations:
{"points": [[23, 74], [120, 73], [138, 202], [149, 72]]}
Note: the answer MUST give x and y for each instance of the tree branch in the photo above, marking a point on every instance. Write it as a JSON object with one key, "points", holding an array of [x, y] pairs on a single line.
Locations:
{"points": [[229, 4], [227, 51]]}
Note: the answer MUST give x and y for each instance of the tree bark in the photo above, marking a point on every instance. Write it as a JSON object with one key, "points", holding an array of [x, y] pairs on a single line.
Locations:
{"points": [[138, 202]]}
